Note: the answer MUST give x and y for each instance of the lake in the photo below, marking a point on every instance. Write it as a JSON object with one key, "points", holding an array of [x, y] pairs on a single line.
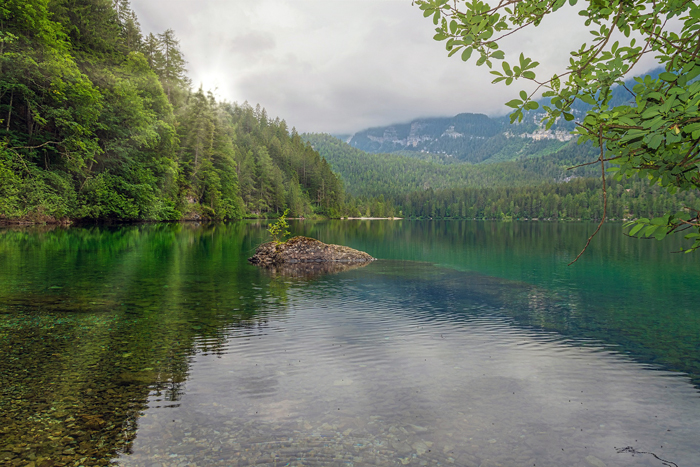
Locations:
{"points": [[468, 343]]}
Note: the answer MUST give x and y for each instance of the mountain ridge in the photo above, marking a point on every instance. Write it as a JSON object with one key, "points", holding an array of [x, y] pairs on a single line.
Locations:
{"points": [[465, 137], [473, 137]]}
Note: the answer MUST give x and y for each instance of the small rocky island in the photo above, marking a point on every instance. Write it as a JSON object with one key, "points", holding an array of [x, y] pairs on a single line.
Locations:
{"points": [[306, 250], [303, 256]]}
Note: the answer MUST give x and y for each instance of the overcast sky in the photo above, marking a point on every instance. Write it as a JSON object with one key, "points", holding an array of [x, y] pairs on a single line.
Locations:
{"points": [[340, 66]]}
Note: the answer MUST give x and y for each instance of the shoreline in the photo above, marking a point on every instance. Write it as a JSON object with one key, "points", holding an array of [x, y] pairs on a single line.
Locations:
{"points": [[370, 218], [77, 223]]}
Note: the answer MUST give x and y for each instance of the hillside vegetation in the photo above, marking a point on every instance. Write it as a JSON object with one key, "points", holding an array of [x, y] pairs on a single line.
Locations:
{"points": [[392, 175], [528, 187], [99, 122]]}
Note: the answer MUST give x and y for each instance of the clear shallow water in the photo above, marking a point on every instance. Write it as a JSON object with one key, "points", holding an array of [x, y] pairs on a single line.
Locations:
{"points": [[159, 345]]}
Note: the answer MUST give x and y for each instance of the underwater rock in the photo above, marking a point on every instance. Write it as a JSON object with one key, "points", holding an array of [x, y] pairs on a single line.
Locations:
{"points": [[310, 270], [300, 250]]}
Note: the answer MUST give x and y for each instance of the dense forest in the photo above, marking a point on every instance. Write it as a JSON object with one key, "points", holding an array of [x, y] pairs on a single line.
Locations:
{"points": [[531, 186], [367, 174], [577, 199], [99, 121]]}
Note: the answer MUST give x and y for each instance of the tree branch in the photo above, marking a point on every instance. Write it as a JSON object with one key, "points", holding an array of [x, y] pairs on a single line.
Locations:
{"points": [[605, 198], [35, 147]]}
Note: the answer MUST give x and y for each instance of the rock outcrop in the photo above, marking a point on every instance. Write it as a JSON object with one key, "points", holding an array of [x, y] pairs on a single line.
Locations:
{"points": [[299, 250]]}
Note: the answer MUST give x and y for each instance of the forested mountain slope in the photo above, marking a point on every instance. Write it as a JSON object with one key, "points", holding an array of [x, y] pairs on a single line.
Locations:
{"points": [[368, 174], [98, 121], [529, 187]]}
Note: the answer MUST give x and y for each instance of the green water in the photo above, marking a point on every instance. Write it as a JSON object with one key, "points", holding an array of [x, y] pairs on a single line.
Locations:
{"points": [[640, 295], [160, 345]]}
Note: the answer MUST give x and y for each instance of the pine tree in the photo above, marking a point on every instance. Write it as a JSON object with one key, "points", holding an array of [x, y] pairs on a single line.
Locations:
{"points": [[132, 33], [172, 70], [151, 49]]}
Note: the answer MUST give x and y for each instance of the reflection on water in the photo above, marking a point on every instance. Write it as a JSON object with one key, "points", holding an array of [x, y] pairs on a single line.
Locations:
{"points": [[311, 270], [160, 345]]}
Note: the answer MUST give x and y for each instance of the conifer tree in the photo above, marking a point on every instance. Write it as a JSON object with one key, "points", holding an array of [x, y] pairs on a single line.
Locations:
{"points": [[172, 68], [151, 49]]}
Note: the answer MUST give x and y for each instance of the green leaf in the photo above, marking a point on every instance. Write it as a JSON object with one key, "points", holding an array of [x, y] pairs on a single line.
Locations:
{"points": [[636, 229], [515, 103], [467, 53], [523, 95], [659, 221], [660, 234], [666, 76], [587, 99], [506, 69], [650, 230], [656, 141], [453, 26]]}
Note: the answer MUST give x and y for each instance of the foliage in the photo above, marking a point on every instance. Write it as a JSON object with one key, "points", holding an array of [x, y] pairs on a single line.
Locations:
{"points": [[98, 122], [278, 230], [532, 187], [578, 199], [656, 136], [392, 175]]}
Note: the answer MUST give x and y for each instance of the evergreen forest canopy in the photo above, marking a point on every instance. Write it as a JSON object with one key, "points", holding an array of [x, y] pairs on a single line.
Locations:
{"points": [[98, 121], [527, 187]]}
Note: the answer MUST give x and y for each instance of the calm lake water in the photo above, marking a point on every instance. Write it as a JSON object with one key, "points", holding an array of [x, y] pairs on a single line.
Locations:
{"points": [[467, 343]]}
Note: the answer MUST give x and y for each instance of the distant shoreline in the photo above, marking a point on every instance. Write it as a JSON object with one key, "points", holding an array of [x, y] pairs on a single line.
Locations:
{"points": [[371, 218]]}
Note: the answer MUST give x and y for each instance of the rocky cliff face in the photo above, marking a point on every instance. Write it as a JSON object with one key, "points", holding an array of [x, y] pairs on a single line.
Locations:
{"points": [[426, 134], [464, 137]]}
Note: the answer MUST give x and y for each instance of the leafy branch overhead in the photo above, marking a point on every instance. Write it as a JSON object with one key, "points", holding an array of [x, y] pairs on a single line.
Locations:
{"points": [[655, 136]]}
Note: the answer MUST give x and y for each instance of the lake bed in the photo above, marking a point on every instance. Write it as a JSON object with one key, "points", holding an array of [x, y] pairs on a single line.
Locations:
{"points": [[467, 343]]}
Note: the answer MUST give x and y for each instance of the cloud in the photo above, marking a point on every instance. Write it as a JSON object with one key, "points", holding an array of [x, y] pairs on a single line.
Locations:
{"points": [[253, 45], [341, 65]]}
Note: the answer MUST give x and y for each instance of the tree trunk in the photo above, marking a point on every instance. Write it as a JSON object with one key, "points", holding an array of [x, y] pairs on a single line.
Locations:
{"points": [[30, 121], [9, 112]]}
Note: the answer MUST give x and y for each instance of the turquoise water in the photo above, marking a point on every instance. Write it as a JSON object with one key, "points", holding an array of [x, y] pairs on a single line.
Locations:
{"points": [[466, 343]]}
